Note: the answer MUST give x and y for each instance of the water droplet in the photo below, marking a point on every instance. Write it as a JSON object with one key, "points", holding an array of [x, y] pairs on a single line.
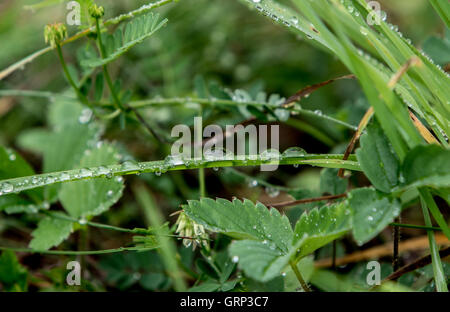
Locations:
{"points": [[50, 180], [82, 221], [85, 117], [12, 157], [85, 173], [272, 192], [130, 165], [370, 218], [363, 30], [235, 259], [283, 274], [64, 176], [256, 1], [6, 188], [110, 193], [270, 154], [103, 171], [173, 160], [253, 183], [294, 152]]}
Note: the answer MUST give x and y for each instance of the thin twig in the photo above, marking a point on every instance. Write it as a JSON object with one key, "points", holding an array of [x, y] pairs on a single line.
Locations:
{"points": [[305, 92], [395, 253], [305, 201], [419, 263]]}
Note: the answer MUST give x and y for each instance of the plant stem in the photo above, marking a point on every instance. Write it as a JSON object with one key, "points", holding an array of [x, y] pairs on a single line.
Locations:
{"points": [[419, 263], [299, 276], [80, 96], [138, 231], [71, 252], [333, 264], [327, 161], [413, 226], [395, 258], [117, 101], [225, 102], [307, 200], [439, 276]]}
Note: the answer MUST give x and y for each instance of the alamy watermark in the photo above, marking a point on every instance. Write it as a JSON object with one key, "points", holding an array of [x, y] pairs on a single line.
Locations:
{"points": [[74, 276], [374, 276], [241, 143], [74, 15], [376, 15]]}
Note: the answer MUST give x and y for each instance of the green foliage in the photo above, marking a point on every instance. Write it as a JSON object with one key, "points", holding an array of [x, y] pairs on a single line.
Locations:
{"points": [[378, 160], [128, 269], [319, 227], [81, 176], [50, 232], [127, 37], [242, 219], [372, 212], [83, 199], [13, 276], [331, 183], [267, 241], [427, 166]]}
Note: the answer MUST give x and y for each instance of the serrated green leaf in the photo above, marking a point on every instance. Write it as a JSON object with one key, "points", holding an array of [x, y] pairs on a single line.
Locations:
{"points": [[268, 243], [50, 233], [377, 159], [261, 261], [123, 40], [242, 219], [93, 197], [372, 212], [427, 165], [319, 227]]}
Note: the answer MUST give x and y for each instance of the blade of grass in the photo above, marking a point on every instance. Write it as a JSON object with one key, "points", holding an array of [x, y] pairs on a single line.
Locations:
{"points": [[439, 276], [167, 246]]}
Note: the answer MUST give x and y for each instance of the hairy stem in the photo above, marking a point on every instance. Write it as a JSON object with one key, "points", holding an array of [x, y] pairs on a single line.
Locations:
{"points": [[299, 276], [72, 83]]}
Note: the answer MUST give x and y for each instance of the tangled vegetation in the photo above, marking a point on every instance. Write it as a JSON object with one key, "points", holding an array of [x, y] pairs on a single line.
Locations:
{"points": [[87, 172]]}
